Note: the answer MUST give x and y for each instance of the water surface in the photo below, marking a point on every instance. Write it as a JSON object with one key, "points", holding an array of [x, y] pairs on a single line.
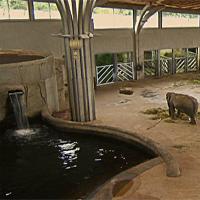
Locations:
{"points": [[44, 163]]}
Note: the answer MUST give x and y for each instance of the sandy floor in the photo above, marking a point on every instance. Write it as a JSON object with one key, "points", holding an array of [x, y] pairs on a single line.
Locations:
{"points": [[181, 138]]}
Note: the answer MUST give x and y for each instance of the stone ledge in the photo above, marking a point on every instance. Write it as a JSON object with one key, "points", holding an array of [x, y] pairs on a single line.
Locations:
{"points": [[119, 185]]}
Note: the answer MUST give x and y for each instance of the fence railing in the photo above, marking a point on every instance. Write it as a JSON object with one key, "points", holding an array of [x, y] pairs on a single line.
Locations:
{"points": [[125, 71], [149, 67], [104, 74], [192, 63], [165, 65], [107, 74], [180, 65]]}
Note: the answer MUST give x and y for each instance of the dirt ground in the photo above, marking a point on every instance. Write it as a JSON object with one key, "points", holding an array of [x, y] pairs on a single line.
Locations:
{"points": [[180, 138]]}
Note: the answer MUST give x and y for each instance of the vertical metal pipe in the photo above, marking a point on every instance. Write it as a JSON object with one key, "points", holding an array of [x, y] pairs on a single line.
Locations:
{"points": [[134, 45], [198, 58], [160, 20], [158, 68], [173, 62], [82, 59], [68, 65], [186, 60], [31, 10], [115, 67], [8, 6]]}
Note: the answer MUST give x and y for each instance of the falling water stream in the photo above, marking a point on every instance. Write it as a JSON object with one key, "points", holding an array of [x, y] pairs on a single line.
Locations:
{"points": [[19, 109]]}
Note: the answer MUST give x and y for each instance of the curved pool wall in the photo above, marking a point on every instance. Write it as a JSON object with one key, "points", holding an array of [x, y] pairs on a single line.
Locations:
{"points": [[111, 188], [172, 166], [36, 74]]}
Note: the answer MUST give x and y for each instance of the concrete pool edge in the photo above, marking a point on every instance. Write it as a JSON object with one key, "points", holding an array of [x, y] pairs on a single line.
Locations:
{"points": [[120, 184], [172, 166]]}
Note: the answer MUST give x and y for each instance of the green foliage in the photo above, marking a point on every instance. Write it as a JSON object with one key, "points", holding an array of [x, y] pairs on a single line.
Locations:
{"points": [[122, 12], [104, 59], [112, 11], [185, 15], [122, 57], [103, 11], [41, 6], [18, 4], [178, 53], [107, 59], [53, 7], [23, 5], [14, 4], [3, 4]]}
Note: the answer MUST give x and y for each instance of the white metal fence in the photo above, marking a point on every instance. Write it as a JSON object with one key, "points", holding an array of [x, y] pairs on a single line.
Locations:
{"points": [[108, 74], [168, 66]]}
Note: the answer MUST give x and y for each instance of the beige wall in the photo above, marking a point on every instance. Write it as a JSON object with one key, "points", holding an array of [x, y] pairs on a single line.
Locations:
{"points": [[150, 39], [37, 36], [31, 36]]}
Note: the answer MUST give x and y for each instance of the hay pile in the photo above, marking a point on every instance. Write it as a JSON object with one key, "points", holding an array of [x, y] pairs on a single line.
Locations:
{"points": [[158, 113], [163, 114]]}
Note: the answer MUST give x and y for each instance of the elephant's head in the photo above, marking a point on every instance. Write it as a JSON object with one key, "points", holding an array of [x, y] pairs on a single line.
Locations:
{"points": [[169, 96]]}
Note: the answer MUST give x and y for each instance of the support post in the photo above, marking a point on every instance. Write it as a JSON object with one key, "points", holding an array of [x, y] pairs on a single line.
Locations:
{"points": [[173, 70], [186, 60], [115, 67], [8, 6], [160, 21], [198, 57], [31, 10], [134, 55], [146, 13], [76, 20], [158, 69]]}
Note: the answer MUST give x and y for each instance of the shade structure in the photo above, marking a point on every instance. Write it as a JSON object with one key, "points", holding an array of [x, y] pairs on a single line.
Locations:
{"points": [[174, 5]]}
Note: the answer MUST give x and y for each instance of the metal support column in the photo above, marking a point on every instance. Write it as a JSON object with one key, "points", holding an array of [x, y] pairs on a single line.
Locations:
{"points": [[198, 58], [134, 54], [115, 67], [76, 19], [186, 60], [173, 66], [31, 10], [160, 21], [146, 13], [158, 69]]}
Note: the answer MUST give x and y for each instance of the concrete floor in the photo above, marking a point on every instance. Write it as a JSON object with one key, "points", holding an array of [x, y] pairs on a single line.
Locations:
{"points": [[180, 138]]}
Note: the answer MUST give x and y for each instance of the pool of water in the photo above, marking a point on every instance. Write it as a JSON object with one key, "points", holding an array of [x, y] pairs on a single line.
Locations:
{"points": [[44, 163]]}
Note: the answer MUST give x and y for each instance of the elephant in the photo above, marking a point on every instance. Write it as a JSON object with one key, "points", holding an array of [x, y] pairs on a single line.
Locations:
{"points": [[182, 103]]}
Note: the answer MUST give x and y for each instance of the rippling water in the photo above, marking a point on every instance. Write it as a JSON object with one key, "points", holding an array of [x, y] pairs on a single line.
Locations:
{"points": [[43, 163]]}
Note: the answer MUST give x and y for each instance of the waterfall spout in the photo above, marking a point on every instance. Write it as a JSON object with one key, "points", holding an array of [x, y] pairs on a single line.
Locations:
{"points": [[16, 98]]}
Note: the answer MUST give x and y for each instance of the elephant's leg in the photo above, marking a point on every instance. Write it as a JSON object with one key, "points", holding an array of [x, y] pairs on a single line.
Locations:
{"points": [[172, 111], [178, 113], [193, 121]]}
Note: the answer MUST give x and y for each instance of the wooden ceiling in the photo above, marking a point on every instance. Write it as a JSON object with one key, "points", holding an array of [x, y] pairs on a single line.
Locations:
{"points": [[170, 5]]}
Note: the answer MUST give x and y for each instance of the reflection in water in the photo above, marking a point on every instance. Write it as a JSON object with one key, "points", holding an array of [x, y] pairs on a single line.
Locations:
{"points": [[43, 163], [69, 153], [24, 132]]}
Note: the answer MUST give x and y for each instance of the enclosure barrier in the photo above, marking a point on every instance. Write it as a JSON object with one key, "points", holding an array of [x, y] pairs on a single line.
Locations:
{"points": [[108, 74]]}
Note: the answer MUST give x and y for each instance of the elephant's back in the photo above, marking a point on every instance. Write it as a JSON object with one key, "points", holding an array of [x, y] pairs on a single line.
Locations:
{"points": [[186, 104]]}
